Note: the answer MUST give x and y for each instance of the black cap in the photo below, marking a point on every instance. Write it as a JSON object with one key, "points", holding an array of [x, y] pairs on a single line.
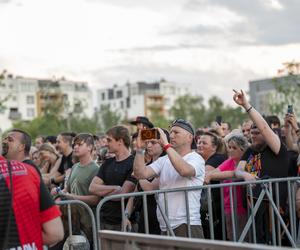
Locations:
{"points": [[142, 119], [186, 126]]}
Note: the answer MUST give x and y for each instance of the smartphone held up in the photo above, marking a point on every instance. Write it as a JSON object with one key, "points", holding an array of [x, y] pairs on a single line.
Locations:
{"points": [[149, 134]]}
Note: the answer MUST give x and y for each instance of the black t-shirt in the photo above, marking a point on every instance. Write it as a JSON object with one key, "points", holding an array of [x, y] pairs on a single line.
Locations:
{"points": [[266, 164], [114, 172], [215, 160], [66, 163]]}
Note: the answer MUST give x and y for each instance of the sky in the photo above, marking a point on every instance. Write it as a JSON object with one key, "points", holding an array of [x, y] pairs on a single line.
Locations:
{"points": [[212, 46]]}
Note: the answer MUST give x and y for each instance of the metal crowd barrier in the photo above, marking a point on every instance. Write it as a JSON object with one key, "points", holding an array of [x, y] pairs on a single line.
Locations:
{"points": [[69, 203], [112, 240], [267, 192]]}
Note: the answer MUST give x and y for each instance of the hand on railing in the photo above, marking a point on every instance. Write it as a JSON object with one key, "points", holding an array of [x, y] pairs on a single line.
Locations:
{"points": [[127, 225]]}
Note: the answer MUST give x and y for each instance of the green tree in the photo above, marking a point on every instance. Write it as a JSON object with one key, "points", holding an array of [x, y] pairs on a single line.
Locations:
{"points": [[108, 118], [190, 108], [287, 91], [158, 119]]}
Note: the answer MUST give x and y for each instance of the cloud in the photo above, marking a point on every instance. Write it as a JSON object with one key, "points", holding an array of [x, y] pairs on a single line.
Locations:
{"points": [[262, 23]]}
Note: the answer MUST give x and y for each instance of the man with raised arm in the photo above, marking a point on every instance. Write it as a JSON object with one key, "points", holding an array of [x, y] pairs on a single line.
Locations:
{"points": [[266, 158], [181, 167]]}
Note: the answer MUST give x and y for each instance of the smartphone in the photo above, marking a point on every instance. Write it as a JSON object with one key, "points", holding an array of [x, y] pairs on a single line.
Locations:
{"points": [[219, 119], [148, 134], [290, 109]]}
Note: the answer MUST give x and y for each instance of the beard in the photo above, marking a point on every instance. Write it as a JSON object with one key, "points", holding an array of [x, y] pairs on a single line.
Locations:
{"points": [[4, 149], [259, 147]]}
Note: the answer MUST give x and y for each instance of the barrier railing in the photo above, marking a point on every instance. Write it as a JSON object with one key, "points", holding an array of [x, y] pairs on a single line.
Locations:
{"points": [[69, 203], [267, 193], [112, 240]]}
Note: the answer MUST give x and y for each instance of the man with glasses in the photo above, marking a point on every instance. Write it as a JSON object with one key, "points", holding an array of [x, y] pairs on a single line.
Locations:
{"points": [[266, 158], [180, 167]]}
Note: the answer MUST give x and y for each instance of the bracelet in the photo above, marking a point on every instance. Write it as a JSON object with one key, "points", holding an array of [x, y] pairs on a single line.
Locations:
{"points": [[140, 151], [166, 147], [249, 109]]}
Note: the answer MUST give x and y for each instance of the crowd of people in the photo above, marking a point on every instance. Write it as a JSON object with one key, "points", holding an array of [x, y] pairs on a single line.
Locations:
{"points": [[89, 167]]}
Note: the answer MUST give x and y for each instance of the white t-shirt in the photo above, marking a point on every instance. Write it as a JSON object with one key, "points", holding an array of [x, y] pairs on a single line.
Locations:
{"points": [[169, 178]]}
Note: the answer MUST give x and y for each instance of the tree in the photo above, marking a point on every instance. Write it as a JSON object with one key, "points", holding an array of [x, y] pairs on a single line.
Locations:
{"points": [[287, 91], [190, 108], [108, 118], [159, 120]]}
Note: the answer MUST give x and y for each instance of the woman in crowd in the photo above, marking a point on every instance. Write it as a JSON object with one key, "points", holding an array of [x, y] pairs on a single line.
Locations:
{"points": [[211, 147], [154, 151], [237, 145], [50, 161]]}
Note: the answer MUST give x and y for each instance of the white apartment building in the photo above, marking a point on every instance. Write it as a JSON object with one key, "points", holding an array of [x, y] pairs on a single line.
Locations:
{"points": [[141, 98], [26, 97]]}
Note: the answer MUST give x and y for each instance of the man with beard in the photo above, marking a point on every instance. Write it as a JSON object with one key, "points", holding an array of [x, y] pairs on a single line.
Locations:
{"points": [[16, 146], [266, 158]]}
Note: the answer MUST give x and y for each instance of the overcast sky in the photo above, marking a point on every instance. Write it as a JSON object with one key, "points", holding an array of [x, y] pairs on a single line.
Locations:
{"points": [[211, 45]]}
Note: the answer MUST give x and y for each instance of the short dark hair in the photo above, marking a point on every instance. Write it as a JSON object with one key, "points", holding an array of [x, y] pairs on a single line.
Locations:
{"points": [[85, 137], [25, 140], [51, 139], [273, 119], [120, 132], [68, 137]]}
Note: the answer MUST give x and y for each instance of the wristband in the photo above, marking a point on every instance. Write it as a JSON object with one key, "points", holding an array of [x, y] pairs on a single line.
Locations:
{"points": [[140, 151], [249, 109], [165, 147]]}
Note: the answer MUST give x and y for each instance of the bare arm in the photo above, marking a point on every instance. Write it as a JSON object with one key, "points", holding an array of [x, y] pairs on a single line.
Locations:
{"points": [[240, 172], [139, 168], [91, 200], [209, 168], [270, 137], [52, 231], [182, 167], [217, 175], [97, 187], [148, 186]]}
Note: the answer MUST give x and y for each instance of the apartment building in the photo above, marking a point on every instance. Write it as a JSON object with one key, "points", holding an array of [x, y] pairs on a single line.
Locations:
{"points": [[26, 98], [140, 98]]}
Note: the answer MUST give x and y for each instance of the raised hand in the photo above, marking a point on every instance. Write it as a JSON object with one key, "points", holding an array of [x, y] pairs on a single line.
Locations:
{"points": [[240, 98]]}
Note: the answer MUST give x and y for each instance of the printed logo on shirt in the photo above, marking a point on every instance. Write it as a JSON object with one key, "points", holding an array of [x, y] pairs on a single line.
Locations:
{"points": [[253, 165], [18, 168]]}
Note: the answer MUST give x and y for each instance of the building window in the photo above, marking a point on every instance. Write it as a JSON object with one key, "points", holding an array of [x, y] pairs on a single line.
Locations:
{"points": [[103, 96], [121, 104], [110, 94], [119, 94], [30, 99], [30, 112]]}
